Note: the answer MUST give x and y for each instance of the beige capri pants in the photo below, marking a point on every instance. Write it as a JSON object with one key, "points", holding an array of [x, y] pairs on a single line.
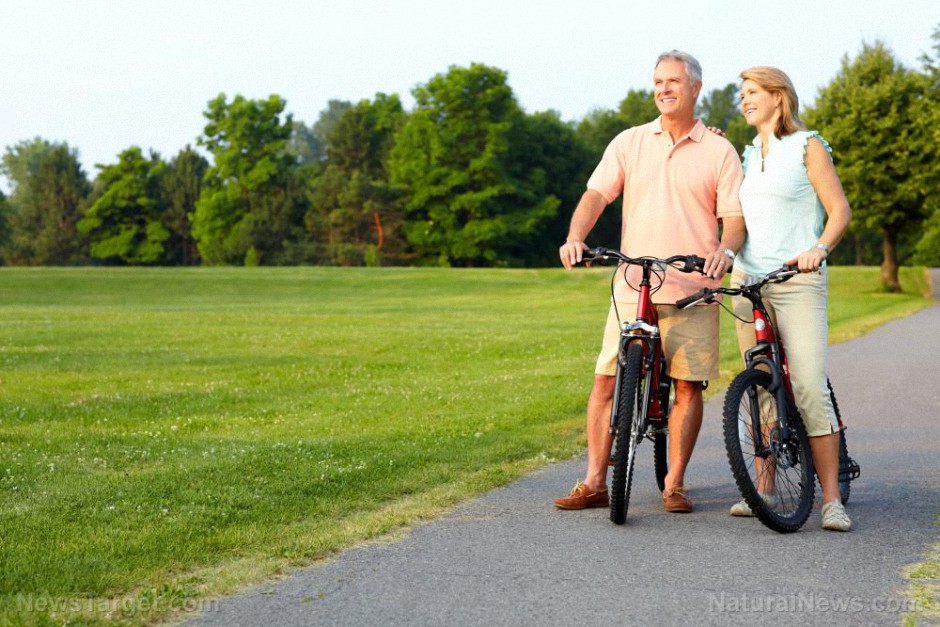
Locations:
{"points": [[797, 309]]}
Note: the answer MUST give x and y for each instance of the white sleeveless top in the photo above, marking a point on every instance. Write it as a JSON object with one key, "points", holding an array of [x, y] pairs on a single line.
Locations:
{"points": [[783, 214]]}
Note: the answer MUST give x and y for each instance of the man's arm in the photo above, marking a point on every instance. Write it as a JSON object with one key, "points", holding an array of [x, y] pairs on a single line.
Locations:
{"points": [[733, 228], [585, 216]]}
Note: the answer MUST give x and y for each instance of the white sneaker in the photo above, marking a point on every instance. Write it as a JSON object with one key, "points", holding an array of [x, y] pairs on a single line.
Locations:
{"points": [[741, 508], [834, 517]]}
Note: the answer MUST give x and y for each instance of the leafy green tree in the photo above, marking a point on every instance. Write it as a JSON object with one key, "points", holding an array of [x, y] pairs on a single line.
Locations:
{"points": [[304, 144], [638, 107], [328, 119], [596, 131], [869, 114], [719, 108], [49, 191], [353, 198], [181, 186], [309, 143], [6, 230], [552, 160], [125, 223], [740, 133], [252, 203], [600, 126], [462, 205], [927, 248]]}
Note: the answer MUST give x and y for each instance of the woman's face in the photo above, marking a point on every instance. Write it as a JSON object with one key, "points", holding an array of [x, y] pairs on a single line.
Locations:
{"points": [[758, 105]]}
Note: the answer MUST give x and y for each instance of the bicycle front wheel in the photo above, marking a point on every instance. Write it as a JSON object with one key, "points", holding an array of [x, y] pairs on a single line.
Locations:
{"points": [[774, 472], [628, 434]]}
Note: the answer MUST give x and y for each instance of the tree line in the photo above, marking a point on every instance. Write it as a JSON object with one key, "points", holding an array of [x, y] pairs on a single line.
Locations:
{"points": [[465, 178]]}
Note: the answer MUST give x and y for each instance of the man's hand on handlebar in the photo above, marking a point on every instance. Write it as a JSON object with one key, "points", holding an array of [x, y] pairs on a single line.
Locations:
{"points": [[572, 253], [717, 264]]}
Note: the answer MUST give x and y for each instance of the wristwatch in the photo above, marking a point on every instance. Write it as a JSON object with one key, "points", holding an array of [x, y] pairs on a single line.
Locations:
{"points": [[728, 253], [822, 247]]}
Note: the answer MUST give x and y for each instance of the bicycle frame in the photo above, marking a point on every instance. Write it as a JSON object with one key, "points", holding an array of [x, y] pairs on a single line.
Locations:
{"points": [[645, 329], [768, 352], [778, 440]]}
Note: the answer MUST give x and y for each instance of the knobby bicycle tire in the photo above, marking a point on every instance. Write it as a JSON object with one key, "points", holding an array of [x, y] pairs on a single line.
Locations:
{"points": [[845, 483], [792, 473], [661, 444], [628, 434]]}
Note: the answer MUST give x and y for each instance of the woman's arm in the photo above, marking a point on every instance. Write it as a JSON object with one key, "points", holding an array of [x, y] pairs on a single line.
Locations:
{"points": [[825, 181]]}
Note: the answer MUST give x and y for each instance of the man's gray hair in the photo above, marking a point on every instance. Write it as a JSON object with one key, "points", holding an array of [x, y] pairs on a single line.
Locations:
{"points": [[692, 67]]}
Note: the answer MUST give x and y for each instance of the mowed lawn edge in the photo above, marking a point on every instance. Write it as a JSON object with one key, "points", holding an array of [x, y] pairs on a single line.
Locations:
{"points": [[171, 435]]}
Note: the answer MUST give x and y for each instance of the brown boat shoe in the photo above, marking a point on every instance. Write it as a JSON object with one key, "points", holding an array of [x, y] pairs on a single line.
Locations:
{"points": [[582, 497], [675, 500]]}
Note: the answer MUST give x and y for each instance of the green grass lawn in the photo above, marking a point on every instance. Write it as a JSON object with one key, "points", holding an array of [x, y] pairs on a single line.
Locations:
{"points": [[167, 435]]}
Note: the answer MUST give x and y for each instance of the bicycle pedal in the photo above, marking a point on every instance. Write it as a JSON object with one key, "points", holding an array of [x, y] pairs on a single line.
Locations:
{"points": [[849, 471]]}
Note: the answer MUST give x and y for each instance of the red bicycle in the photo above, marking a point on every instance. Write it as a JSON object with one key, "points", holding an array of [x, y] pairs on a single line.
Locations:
{"points": [[642, 389], [765, 438]]}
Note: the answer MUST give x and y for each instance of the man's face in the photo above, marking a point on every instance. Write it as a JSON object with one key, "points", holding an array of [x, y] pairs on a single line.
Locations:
{"points": [[673, 90]]}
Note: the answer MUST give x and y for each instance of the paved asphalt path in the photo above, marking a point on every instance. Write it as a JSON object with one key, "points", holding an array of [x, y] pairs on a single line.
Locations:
{"points": [[510, 558]]}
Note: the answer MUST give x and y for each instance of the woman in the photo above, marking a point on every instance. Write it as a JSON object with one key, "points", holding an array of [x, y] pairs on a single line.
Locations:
{"points": [[790, 187]]}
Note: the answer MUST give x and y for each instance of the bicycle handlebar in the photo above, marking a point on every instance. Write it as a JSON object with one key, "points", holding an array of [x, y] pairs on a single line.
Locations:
{"points": [[690, 263], [702, 294], [706, 294]]}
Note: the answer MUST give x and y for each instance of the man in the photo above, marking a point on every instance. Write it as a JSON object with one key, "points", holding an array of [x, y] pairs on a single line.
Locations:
{"points": [[678, 181]]}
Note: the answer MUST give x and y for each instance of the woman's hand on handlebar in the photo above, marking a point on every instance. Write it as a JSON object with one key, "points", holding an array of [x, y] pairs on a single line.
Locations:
{"points": [[809, 260], [572, 253], [717, 264]]}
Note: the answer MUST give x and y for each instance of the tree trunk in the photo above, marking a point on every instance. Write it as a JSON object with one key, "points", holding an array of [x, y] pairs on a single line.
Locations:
{"points": [[859, 250], [889, 266]]}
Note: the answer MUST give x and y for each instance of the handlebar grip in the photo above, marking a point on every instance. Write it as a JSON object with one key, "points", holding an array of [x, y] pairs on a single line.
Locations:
{"points": [[682, 303], [694, 262], [589, 255]]}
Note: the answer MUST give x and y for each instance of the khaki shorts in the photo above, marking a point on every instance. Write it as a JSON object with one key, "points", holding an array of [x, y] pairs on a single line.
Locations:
{"points": [[690, 341]]}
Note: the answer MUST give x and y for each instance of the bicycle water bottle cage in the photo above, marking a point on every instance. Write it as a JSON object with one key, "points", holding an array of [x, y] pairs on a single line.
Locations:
{"points": [[629, 327]]}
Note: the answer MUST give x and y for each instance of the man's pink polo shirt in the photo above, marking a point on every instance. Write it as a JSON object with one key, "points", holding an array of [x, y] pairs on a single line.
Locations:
{"points": [[673, 197]]}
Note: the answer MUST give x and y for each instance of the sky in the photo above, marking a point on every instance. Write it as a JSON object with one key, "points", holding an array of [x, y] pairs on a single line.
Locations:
{"points": [[105, 75]]}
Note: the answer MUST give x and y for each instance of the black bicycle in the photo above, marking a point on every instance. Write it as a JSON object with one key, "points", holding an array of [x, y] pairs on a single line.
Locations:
{"points": [[642, 389], [765, 437]]}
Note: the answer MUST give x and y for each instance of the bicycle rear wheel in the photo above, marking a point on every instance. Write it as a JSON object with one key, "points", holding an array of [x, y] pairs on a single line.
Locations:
{"points": [[628, 434], [848, 469], [780, 469], [661, 443], [845, 484]]}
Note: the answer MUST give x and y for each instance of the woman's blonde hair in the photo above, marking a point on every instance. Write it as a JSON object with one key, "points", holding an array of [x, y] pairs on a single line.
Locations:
{"points": [[777, 82]]}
